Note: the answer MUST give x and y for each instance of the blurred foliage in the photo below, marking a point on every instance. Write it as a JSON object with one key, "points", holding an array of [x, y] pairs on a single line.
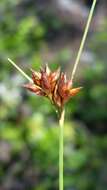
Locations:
{"points": [[90, 105], [32, 156], [28, 129]]}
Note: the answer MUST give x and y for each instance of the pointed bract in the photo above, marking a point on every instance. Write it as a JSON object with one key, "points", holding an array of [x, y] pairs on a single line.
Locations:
{"points": [[36, 77], [75, 91], [64, 90], [35, 89], [47, 69], [45, 82]]}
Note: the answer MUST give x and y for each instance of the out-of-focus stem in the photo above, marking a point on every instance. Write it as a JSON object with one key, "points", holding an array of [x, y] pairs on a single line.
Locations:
{"points": [[61, 147], [84, 38]]}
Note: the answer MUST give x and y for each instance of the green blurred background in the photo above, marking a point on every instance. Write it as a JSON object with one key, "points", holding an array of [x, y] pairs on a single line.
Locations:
{"points": [[33, 32]]}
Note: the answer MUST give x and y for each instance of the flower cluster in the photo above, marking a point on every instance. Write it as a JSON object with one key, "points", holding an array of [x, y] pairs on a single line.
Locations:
{"points": [[52, 85]]}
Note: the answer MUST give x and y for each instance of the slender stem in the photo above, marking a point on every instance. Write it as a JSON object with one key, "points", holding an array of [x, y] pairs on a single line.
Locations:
{"points": [[84, 38], [20, 70], [61, 142]]}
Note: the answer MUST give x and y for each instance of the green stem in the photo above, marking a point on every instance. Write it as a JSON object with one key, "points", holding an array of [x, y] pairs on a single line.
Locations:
{"points": [[84, 38], [61, 142], [20, 70]]}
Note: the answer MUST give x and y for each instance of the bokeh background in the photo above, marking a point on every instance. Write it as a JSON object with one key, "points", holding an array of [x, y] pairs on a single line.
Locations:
{"points": [[33, 32]]}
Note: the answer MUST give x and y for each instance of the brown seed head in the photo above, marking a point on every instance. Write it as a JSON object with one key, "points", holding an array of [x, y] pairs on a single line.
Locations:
{"points": [[53, 85]]}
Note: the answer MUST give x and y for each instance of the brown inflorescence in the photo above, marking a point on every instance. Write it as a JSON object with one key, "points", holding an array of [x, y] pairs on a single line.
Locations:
{"points": [[52, 85]]}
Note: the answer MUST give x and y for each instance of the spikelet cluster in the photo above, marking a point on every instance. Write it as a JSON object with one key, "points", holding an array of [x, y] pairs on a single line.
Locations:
{"points": [[53, 85]]}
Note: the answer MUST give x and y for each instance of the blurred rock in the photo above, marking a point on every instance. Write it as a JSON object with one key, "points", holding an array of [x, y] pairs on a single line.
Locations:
{"points": [[71, 12], [5, 151]]}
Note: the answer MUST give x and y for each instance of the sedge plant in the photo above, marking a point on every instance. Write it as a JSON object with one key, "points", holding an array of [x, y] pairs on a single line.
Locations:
{"points": [[59, 90]]}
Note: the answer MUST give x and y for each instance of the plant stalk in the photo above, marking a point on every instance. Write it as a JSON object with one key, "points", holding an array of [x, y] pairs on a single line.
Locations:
{"points": [[84, 38], [20, 70], [61, 147]]}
